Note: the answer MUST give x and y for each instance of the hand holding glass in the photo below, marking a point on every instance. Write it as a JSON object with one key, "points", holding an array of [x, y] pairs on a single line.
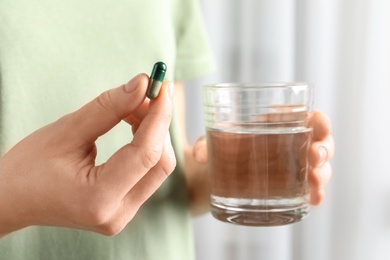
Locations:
{"points": [[258, 138]]}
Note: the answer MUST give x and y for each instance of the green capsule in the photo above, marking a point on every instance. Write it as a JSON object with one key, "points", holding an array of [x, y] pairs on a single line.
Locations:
{"points": [[156, 79]]}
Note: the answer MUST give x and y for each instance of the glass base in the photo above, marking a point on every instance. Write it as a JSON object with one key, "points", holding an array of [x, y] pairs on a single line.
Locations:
{"points": [[254, 212]]}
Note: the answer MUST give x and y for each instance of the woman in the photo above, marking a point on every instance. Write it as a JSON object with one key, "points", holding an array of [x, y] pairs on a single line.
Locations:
{"points": [[57, 55]]}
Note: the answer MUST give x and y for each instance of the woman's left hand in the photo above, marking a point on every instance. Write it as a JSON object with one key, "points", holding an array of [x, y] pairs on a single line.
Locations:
{"points": [[320, 152]]}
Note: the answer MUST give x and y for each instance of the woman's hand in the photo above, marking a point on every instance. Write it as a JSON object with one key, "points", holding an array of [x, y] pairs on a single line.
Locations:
{"points": [[320, 152], [50, 177]]}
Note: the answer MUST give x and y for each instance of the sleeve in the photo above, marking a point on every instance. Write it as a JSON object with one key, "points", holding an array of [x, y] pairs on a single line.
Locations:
{"points": [[194, 57]]}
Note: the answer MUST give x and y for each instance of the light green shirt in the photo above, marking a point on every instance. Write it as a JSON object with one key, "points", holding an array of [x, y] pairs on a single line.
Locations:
{"points": [[56, 56]]}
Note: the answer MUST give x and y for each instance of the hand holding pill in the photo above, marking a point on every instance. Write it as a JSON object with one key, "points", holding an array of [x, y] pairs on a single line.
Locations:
{"points": [[55, 181]]}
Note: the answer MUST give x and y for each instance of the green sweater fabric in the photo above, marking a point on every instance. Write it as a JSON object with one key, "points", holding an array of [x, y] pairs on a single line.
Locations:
{"points": [[55, 56]]}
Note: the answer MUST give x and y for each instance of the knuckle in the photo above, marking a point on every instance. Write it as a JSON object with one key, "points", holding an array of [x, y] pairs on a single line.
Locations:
{"points": [[98, 215], [98, 212], [111, 229], [106, 102], [101, 218], [116, 224], [104, 99], [169, 164], [150, 158]]}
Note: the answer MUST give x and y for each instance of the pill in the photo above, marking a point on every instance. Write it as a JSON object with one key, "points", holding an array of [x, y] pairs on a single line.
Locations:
{"points": [[156, 79]]}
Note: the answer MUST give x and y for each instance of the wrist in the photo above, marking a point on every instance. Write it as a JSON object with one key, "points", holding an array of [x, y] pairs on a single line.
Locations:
{"points": [[11, 219], [8, 218]]}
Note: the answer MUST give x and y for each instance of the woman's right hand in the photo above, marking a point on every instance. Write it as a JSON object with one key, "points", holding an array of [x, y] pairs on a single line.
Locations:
{"points": [[50, 177]]}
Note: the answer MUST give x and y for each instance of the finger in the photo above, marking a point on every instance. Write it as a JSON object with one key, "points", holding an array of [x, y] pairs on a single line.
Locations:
{"points": [[153, 179], [318, 179], [321, 125], [319, 176], [146, 149], [200, 150], [137, 116], [321, 152], [155, 124], [104, 112], [317, 197]]}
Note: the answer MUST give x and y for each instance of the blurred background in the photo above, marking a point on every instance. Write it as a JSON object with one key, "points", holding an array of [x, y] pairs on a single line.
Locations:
{"points": [[343, 48]]}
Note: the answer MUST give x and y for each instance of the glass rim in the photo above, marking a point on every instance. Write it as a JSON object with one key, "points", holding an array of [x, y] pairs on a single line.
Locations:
{"points": [[260, 85]]}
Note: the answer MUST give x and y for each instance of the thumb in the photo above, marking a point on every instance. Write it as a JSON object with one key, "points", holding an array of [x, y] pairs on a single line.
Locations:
{"points": [[200, 150], [109, 108]]}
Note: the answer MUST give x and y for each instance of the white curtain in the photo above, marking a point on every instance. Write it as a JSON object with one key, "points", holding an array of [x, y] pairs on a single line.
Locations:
{"points": [[343, 47]]}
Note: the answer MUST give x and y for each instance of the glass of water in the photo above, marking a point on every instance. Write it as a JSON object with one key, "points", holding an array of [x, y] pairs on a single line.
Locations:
{"points": [[258, 138]]}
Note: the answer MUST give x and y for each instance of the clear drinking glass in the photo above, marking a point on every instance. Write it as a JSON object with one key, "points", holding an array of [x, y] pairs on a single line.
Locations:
{"points": [[257, 138]]}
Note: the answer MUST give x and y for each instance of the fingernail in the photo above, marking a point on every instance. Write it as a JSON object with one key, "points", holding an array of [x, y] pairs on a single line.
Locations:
{"points": [[132, 84], [323, 154]]}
